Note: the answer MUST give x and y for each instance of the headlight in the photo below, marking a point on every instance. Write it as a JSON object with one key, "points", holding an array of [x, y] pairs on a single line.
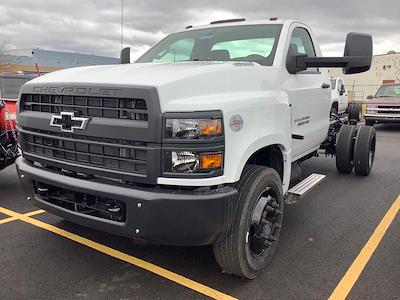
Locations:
{"points": [[371, 109], [185, 161], [193, 128], [193, 144], [192, 162]]}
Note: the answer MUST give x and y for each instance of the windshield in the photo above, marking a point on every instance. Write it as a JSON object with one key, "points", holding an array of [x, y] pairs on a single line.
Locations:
{"points": [[388, 91], [255, 43]]}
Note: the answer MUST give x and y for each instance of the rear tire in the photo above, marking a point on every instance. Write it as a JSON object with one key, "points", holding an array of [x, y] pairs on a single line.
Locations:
{"points": [[249, 245], [354, 113], [345, 148], [364, 150]]}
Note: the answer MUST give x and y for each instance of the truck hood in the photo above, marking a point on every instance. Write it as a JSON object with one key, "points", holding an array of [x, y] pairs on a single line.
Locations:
{"points": [[180, 85]]}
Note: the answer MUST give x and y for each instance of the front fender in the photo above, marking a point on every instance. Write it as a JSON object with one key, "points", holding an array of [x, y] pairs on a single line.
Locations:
{"points": [[275, 140], [266, 121]]}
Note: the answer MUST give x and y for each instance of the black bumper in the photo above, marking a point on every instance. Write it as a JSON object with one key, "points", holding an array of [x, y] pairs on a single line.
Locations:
{"points": [[156, 215]]}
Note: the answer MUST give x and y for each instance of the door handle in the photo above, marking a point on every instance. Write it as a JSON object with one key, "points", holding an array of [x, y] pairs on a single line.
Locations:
{"points": [[325, 85]]}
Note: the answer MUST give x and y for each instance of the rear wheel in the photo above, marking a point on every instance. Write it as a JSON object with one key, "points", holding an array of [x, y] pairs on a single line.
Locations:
{"points": [[354, 111], [364, 150], [248, 247], [345, 148]]}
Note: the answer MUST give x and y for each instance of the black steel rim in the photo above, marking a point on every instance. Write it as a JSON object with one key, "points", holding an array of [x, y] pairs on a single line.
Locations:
{"points": [[265, 223]]}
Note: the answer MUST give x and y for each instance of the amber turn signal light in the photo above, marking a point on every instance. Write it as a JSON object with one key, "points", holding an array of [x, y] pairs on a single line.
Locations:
{"points": [[211, 127], [211, 161]]}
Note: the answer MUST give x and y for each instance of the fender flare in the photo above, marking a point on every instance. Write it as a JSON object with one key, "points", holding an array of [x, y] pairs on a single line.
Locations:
{"points": [[259, 145]]}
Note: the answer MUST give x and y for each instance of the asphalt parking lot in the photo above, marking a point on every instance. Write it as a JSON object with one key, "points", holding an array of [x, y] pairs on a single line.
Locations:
{"points": [[324, 235]]}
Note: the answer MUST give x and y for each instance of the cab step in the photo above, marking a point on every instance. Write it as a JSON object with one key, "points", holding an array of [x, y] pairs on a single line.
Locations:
{"points": [[299, 190]]}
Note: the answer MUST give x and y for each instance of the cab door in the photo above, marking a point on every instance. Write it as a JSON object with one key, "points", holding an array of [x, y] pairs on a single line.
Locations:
{"points": [[309, 96]]}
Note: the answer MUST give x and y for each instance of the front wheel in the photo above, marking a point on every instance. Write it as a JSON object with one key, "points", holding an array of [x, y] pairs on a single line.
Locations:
{"points": [[369, 123], [249, 245]]}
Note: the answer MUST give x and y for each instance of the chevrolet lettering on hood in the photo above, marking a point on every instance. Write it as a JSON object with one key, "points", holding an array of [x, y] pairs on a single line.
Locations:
{"points": [[69, 90]]}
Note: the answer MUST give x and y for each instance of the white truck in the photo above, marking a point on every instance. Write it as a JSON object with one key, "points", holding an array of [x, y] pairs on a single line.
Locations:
{"points": [[339, 96], [350, 113], [192, 144]]}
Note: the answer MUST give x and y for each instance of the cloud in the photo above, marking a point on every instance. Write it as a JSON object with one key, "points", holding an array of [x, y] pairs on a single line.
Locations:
{"points": [[93, 26]]}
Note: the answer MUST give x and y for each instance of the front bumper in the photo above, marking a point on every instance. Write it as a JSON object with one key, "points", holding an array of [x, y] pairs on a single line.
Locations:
{"points": [[156, 215], [383, 118]]}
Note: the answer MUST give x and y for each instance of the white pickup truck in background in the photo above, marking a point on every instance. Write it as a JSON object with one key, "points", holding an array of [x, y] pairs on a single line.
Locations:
{"points": [[339, 96]]}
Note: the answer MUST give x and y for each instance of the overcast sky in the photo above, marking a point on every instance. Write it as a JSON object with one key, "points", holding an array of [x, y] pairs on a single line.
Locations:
{"points": [[93, 26]]}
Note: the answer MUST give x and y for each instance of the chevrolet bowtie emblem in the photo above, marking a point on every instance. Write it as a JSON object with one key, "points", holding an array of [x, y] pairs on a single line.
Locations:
{"points": [[67, 121]]}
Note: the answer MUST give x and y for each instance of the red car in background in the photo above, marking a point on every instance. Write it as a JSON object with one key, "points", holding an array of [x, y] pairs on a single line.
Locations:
{"points": [[384, 107], [9, 90]]}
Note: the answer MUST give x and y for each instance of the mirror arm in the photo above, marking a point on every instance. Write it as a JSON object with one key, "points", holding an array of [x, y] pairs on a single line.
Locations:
{"points": [[327, 62], [321, 62]]}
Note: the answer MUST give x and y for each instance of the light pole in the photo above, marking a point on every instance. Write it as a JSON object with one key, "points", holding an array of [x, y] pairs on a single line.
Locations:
{"points": [[122, 24]]}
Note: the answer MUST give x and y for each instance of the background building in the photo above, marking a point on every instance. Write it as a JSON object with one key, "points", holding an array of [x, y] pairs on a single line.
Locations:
{"points": [[23, 60], [385, 68]]}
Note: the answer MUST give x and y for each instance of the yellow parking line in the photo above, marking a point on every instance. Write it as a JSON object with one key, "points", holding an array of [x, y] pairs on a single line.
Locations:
{"points": [[353, 273], [29, 214], [179, 279]]}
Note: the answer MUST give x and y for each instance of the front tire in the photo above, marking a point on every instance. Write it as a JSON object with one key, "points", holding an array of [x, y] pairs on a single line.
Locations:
{"points": [[369, 123], [249, 245], [334, 110]]}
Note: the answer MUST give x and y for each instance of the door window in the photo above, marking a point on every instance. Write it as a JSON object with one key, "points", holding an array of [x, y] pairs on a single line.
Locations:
{"points": [[301, 43], [333, 84], [341, 86]]}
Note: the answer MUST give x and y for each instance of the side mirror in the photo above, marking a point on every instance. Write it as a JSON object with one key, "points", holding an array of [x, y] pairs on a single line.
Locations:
{"points": [[2, 104], [358, 50], [342, 90], [369, 97], [357, 56], [125, 55], [292, 59]]}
